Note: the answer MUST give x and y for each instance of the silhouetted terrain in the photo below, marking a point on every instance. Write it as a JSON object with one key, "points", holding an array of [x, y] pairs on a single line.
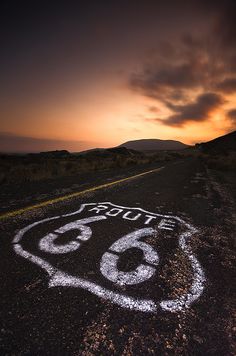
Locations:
{"points": [[220, 153], [56, 164], [217, 154], [154, 145], [220, 145]]}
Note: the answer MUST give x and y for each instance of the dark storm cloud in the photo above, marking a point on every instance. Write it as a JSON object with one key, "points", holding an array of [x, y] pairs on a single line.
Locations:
{"points": [[191, 64], [227, 86], [50, 46], [171, 76], [195, 111], [225, 25], [203, 63]]}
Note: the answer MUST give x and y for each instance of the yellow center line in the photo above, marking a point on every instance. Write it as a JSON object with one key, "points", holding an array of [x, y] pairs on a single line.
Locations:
{"points": [[72, 195]]}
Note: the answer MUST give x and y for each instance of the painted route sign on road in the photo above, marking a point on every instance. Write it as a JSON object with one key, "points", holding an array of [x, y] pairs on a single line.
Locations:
{"points": [[116, 253]]}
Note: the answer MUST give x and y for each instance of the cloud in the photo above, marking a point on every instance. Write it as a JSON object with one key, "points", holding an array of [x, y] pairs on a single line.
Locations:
{"points": [[227, 85], [172, 76], [14, 143], [171, 79], [195, 63], [232, 115], [153, 109], [190, 65], [197, 111], [225, 25]]}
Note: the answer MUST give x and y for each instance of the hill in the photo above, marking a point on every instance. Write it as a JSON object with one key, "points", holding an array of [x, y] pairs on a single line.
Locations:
{"points": [[154, 145], [220, 145], [109, 152]]}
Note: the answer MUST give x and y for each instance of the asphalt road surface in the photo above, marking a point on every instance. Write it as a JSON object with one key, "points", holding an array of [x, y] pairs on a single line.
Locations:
{"points": [[141, 267]]}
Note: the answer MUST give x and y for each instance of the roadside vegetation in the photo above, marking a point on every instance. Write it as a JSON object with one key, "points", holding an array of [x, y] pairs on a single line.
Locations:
{"points": [[223, 162], [218, 154], [45, 165]]}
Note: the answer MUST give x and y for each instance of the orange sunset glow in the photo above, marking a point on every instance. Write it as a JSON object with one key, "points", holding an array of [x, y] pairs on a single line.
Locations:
{"points": [[99, 78]]}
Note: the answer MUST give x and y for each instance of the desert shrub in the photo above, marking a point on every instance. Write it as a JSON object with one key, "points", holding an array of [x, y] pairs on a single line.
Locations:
{"points": [[119, 162], [222, 162], [3, 178], [19, 168], [69, 166], [35, 169], [129, 162], [54, 171]]}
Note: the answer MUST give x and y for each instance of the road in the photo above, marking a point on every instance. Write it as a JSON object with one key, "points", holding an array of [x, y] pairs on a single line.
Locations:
{"points": [[140, 267]]}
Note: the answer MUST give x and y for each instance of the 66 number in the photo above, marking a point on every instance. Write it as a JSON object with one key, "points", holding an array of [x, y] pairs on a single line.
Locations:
{"points": [[109, 260]]}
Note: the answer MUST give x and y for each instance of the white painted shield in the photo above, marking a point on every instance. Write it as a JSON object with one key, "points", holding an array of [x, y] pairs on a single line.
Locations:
{"points": [[145, 223]]}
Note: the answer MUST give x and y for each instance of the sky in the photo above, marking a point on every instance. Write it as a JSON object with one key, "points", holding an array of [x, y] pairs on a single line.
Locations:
{"points": [[77, 75]]}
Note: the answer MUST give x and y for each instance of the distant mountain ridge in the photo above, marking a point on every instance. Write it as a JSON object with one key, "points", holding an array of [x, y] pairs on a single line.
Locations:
{"points": [[154, 145]]}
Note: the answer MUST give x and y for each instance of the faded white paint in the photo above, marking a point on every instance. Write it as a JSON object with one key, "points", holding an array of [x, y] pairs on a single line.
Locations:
{"points": [[47, 244], [99, 208], [114, 212], [128, 217], [108, 265], [197, 286], [59, 278], [167, 224], [149, 219]]}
